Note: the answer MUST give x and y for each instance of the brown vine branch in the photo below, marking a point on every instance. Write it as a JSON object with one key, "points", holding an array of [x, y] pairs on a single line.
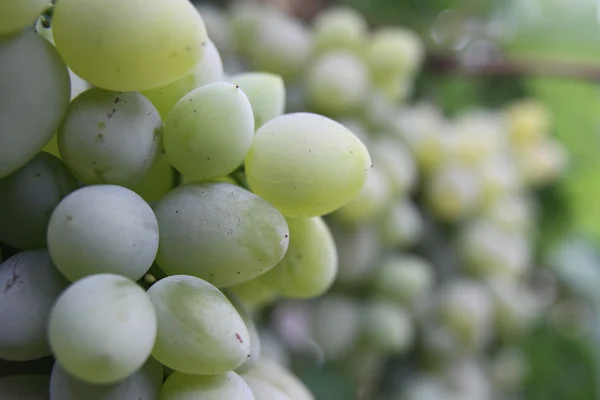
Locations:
{"points": [[561, 69]]}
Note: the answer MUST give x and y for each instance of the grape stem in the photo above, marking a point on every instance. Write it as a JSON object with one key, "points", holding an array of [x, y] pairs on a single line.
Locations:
{"points": [[448, 64]]}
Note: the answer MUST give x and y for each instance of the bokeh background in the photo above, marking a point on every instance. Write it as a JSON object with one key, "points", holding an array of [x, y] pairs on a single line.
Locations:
{"points": [[482, 59]]}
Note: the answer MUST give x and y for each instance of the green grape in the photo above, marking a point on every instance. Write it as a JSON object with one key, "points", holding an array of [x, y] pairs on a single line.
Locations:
{"points": [[280, 45], [310, 264], [336, 325], [219, 232], [254, 355], [229, 385], [468, 379], [394, 51], [454, 192], [208, 70], [266, 93], [542, 163], [528, 121], [218, 27], [401, 225], [388, 328], [254, 294], [500, 177], [113, 43], [263, 390], [110, 137], [509, 368], [512, 213], [209, 131], [406, 278], [339, 27], [395, 88], [199, 330], [425, 387], [144, 384], [28, 197], [34, 93], [337, 83], [466, 308], [488, 250], [358, 248], [24, 387], [30, 285], [157, 182], [278, 376], [306, 165], [516, 309], [185, 179], [102, 328], [371, 201], [246, 19], [16, 15], [103, 228], [396, 162]]}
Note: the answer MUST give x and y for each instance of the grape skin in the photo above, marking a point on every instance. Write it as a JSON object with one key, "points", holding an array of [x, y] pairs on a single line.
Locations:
{"points": [[229, 385]]}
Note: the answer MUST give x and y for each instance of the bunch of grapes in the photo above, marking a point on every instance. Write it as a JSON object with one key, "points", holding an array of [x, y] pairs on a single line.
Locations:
{"points": [[189, 195]]}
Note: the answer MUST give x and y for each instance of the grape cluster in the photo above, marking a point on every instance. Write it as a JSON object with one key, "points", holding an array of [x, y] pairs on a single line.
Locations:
{"points": [[141, 188], [177, 182]]}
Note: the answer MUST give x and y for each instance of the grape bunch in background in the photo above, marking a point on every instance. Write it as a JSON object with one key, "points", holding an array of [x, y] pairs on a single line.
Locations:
{"points": [[169, 175]]}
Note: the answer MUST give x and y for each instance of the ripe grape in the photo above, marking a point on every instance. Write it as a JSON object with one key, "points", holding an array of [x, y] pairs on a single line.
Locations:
{"points": [[401, 225], [209, 131], [281, 378], [24, 387], [394, 51], [34, 93], [369, 202], [254, 294], [263, 390], [102, 328], [103, 228], [266, 93], [199, 330], [157, 182], [406, 278], [310, 264], [129, 46], [306, 165], [229, 385], [144, 384], [16, 15], [336, 325], [358, 248], [30, 285], [219, 232], [244, 312], [339, 28], [208, 70], [28, 197], [396, 162], [387, 327], [110, 137]]}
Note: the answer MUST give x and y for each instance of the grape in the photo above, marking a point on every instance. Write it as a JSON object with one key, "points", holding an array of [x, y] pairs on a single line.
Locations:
{"points": [[516, 309], [30, 285], [254, 355], [542, 163], [209, 131], [16, 15], [28, 197], [469, 379], [34, 93], [509, 369], [102, 328], [396, 162], [454, 191], [24, 387], [406, 278], [263, 390], [112, 44], [336, 325], [394, 51], [266, 93], [219, 232], [281, 45], [199, 330], [254, 293], [337, 83], [103, 228], [500, 176], [401, 225], [306, 165], [157, 182], [228, 385], [387, 327], [465, 306], [426, 388], [218, 27], [512, 213], [144, 384], [369, 202], [208, 70], [310, 264], [281, 378], [339, 27], [528, 121], [358, 248], [109, 137], [246, 19]]}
